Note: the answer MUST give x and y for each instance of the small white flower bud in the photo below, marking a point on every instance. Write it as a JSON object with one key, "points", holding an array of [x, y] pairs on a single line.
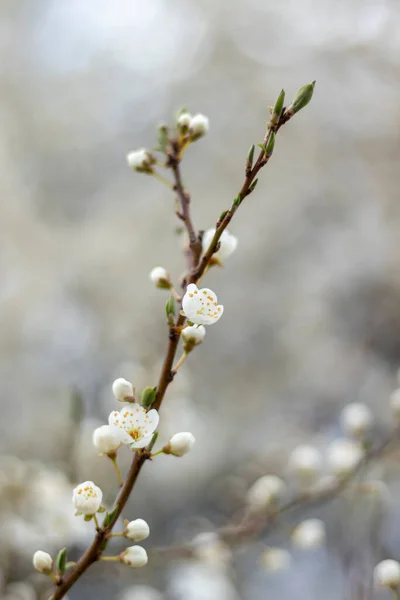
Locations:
{"points": [[265, 491], [42, 561], [228, 244], [387, 574], [87, 497], [137, 530], [198, 125], [343, 456], [309, 534], [275, 559], [306, 462], [140, 160], [160, 277], [184, 120], [193, 335], [123, 390], [134, 556], [105, 439], [356, 419], [395, 403], [180, 443]]}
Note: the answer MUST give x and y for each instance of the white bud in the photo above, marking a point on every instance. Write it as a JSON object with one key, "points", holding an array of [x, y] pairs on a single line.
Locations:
{"points": [[193, 335], [306, 462], [123, 390], [309, 534], [137, 530], [387, 574], [160, 277], [198, 125], [180, 443], [395, 403], [105, 439], [228, 244], [264, 492], [140, 160], [87, 497], [275, 559], [356, 419], [343, 456], [42, 561], [134, 556], [184, 119]]}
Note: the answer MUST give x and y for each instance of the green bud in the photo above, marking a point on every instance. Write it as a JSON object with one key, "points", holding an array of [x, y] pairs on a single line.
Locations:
{"points": [[302, 97], [88, 517], [269, 148], [163, 139], [253, 185], [61, 560], [277, 110], [148, 396], [170, 307], [222, 215], [108, 519], [250, 157], [237, 201]]}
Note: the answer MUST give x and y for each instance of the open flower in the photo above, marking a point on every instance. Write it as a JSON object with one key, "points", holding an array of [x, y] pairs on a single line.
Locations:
{"points": [[134, 425], [227, 241], [201, 306], [87, 498]]}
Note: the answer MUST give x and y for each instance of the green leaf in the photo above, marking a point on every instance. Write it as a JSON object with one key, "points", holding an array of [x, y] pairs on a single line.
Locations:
{"points": [[88, 517], [163, 139], [61, 560], [277, 110], [270, 143], [250, 157], [260, 145], [108, 519], [170, 307], [148, 396]]}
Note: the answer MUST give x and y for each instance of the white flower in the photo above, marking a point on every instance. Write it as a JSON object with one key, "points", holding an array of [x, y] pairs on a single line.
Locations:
{"points": [[140, 160], [356, 419], [228, 244], [309, 534], [395, 403], [275, 559], [267, 490], [198, 125], [180, 443], [306, 462], [160, 277], [387, 574], [343, 456], [133, 425], [105, 439], [184, 119], [123, 390], [137, 530], [193, 335], [42, 561], [134, 556], [201, 306], [87, 497]]}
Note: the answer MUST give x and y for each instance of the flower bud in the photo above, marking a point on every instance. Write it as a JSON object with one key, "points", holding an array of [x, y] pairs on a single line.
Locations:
{"points": [[275, 559], [343, 457], [309, 534], [208, 548], [184, 120], [160, 277], [148, 396], [42, 562], [228, 244], [106, 440], [387, 574], [356, 419], [192, 336], [198, 126], [123, 390], [306, 462], [140, 160], [302, 98], [180, 443], [137, 530], [265, 491], [134, 556], [395, 403], [87, 497]]}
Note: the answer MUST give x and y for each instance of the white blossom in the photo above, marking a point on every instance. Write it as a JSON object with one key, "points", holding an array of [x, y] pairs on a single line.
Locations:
{"points": [[267, 490], [105, 439], [201, 306], [42, 561], [309, 534], [387, 574], [137, 530], [199, 125], [160, 277], [87, 497], [356, 419], [140, 160], [343, 456], [275, 559], [228, 244], [193, 334], [133, 425], [184, 119], [395, 403], [180, 443], [134, 556], [306, 462], [123, 390]]}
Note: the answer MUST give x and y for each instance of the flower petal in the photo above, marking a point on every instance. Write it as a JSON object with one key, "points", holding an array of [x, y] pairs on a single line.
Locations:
{"points": [[122, 435], [142, 442], [152, 419]]}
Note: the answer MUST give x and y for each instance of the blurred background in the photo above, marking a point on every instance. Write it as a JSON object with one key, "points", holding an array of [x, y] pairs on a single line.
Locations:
{"points": [[312, 295]]}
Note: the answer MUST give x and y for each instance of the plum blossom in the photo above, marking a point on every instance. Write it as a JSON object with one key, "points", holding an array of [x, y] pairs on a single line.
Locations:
{"points": [[228, 244], [201, 306], [134, 425], [87, 497]]}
